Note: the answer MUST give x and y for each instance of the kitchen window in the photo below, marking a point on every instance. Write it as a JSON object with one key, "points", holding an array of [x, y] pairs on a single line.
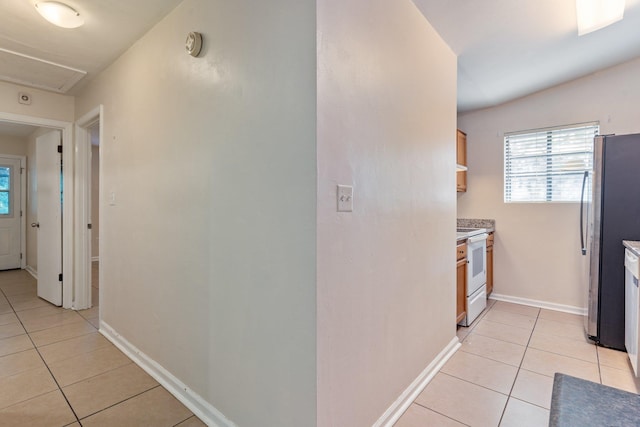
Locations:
{"points": [[548, 165]]}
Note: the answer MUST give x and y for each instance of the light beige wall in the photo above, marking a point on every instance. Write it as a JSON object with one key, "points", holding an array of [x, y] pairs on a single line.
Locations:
{"points": [[44, 104], [95, 201], [386, 281], [537, 252], [13, 145], [209, 251]]}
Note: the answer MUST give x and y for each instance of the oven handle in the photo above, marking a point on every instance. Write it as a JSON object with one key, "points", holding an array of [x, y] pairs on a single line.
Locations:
{"points": [[478, 238]]}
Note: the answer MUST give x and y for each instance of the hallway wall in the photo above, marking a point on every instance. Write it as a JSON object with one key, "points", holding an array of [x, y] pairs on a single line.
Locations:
{"points": [[13, 145], [386, 125], [209, 246]]}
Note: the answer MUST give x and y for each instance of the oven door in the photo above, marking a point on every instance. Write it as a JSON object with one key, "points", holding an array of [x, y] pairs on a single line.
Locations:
{"points": [[476, 262]]}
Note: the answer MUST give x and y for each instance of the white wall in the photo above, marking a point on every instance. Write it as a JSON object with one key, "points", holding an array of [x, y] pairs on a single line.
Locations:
{"points": [[537, 249], [44, 104], [386, 282], [209, 252], [13, 145]]}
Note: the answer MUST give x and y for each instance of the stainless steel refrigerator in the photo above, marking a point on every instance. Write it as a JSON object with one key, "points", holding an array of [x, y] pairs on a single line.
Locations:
{"points": [[610, 216]]}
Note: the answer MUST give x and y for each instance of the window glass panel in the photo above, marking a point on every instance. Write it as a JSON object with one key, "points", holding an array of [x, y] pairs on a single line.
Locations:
{"points": [[547, 165], [4, 203], [5, 178]]}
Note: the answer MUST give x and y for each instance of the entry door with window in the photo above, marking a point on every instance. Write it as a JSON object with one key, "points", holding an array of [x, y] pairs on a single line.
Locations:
{"points": [[49, 222], [10, 223]]}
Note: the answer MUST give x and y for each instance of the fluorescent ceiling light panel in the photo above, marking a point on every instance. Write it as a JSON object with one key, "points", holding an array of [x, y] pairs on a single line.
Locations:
{"points": [[59, 14], [596, 14]]}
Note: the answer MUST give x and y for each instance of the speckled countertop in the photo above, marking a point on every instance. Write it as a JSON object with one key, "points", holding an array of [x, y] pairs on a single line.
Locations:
{"points": [[489, 224], [634, 246]]}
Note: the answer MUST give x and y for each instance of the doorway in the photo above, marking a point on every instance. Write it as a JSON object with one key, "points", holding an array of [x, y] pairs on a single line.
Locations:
{"points": [[12, 224], [63, 277], [88, 176]]}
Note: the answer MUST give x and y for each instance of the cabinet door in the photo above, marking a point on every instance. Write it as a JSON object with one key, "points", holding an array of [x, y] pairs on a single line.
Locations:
{"points": [[461, 158], [461, 287]]}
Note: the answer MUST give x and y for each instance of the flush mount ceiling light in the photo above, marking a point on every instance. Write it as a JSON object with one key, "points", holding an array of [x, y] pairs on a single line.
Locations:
{"points": [[596, 14], [59, 14]]}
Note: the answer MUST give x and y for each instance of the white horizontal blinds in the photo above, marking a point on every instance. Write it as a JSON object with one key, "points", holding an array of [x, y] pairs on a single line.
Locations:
{"points": [[547, 165]]}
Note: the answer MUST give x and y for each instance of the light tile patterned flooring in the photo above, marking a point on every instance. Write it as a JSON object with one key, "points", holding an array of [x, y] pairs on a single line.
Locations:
{"points": [[503, 373], [57, 370]]}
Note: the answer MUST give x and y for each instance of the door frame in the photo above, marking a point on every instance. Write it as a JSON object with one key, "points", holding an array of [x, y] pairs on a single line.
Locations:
{"points": [[66, 128], [23, 206], [83, 208]]}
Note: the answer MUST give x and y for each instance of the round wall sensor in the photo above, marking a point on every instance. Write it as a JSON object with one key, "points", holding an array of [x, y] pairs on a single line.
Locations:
{"points": [[193, 43]]}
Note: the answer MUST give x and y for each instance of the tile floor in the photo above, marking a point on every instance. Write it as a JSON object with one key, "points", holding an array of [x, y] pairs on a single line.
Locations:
{"points": [[57, 370], [503, 373]]}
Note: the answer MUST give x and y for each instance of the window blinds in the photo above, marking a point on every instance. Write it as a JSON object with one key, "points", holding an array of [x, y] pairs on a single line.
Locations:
{"points": [[547, 165]]}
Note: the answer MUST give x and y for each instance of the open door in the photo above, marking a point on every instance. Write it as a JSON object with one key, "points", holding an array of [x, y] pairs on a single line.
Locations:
{"points": [[49, 211]]}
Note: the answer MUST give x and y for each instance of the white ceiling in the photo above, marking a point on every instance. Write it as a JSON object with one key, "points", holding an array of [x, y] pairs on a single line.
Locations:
{"points": [[508, 49], [111, 26]]}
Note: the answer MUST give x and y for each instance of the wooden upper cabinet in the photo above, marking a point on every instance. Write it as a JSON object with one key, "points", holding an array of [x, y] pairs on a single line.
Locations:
{"points": [[461, 159]]}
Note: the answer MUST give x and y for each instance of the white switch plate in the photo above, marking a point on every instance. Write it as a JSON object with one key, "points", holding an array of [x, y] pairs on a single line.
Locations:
{"points": [[112, 198], [345, 198]]}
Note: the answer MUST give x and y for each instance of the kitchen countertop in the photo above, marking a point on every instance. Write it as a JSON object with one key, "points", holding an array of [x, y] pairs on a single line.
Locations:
{"points": [[634, 246], [489, 226]]}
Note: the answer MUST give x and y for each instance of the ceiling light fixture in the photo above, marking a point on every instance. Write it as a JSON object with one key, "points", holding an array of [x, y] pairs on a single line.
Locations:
{"points": [[59, 14], [596, 14]]}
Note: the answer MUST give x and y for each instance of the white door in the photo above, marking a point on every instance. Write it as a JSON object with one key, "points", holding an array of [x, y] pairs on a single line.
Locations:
{"points": [[10, 223], [49, 222]]}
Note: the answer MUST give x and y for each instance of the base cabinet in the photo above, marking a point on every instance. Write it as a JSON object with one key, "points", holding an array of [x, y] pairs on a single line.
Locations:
{"points": [[490, 264], [461, 282]]}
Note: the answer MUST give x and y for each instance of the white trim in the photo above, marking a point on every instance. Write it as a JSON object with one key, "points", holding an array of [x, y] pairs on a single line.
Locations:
{"points": [[540, 304], [67, 204], [402, 403], [95, 258], [31, 271], [82, 182], [200, 407]]}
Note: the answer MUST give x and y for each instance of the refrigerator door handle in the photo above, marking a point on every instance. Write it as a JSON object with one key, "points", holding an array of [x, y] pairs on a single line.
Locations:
{"points": [[582, 230]]}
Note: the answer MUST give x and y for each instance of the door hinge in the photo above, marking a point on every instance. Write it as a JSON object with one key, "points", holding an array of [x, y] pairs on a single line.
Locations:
{"points": [[60, 277], [21, 256], [59, 148], [20, 213], [89, 226]]}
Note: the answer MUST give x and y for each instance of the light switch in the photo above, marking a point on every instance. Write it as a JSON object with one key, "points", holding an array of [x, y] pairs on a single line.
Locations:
{"points": [[345, 198], [112, 198]]}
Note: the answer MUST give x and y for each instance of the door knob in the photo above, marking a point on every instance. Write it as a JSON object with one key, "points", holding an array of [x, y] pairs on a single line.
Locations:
{"points": [[35, 224]]}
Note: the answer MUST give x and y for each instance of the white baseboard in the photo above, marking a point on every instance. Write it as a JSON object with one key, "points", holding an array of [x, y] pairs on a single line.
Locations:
{"points": [[200, 407], [540, 304], [95, 258], [31, 271], [402, 403]]}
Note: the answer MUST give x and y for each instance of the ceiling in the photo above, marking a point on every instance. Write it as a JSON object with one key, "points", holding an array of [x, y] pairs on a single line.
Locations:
{"points": [[36, 53], [508, 49]]}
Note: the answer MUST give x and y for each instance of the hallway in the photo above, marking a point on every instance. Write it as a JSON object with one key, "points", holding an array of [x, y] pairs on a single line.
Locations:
{"points": [[56, 369]]}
